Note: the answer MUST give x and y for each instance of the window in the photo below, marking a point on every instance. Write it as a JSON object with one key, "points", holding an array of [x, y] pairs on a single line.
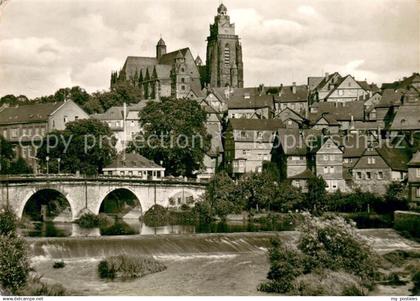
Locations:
{"points": [[244, 152], [227, 55], [325, 157], [332, 169], [368, 175], [130, 173], [14, 133], [371, 160], [332, 157], [418, 172], [182, 80], [326, 170], [359, 175], [182, 70], [346, 161], [121, 173], [65, 118], [341, 92], [403, 121], [418, 192], [380, 175], [140, 174], [183, 88]]}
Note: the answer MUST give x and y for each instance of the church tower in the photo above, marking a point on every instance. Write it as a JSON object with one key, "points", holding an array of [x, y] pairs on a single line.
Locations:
{"points": [[224, 53], [160, 48]]}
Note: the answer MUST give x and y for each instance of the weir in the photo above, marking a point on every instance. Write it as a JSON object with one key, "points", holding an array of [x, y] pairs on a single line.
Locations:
{"points": [[155, 245]]}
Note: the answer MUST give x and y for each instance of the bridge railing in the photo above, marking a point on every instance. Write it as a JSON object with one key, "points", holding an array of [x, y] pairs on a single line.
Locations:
{"points": [[6, 178]]}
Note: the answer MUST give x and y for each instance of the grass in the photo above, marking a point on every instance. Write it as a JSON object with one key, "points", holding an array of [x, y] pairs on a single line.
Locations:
{"points": [[127, 267]]}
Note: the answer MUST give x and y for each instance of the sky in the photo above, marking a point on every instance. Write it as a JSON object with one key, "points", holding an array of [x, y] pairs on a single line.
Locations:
{"points": [[50, 44]]}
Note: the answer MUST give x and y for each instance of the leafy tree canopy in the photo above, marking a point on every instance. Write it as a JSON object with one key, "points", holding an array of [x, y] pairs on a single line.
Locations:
{"points": [[174, 135], [85, 145]]}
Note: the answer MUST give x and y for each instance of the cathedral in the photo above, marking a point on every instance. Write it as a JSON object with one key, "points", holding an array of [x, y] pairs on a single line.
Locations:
{"points": [[177, 74]]}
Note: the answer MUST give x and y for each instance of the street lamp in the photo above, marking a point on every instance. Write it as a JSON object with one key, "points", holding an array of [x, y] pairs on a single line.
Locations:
{"points": [[58, 161], [47, 158]]}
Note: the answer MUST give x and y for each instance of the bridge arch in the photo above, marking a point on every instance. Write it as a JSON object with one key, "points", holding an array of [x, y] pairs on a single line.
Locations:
{"points": [[34, 191], [108, 192]]}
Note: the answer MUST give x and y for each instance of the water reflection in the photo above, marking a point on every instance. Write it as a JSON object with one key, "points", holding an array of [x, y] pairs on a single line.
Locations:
{"points": [[135, 227]]}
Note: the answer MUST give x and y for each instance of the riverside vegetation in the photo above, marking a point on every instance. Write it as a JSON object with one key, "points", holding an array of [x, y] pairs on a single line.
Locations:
{"points": [[16, 275]]}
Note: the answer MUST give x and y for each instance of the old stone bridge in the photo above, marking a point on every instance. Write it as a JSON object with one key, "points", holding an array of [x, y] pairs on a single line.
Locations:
{"points": [[86, 194]]}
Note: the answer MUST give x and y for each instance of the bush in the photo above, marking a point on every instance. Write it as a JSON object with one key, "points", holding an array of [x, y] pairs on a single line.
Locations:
{"points": [[334, 244], [156, 216], [14, 263], [90, 220], [59, 264], [366, 220], [8, 222], [285, 266], [36, 287], [407, 222], [353, 290], [127, 267], [416, 281]]}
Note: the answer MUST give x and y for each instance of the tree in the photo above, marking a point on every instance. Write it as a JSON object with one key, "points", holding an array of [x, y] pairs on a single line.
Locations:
{"points": [[219, 194], [288, 198], [6, 155], [316, 194], [85, 145], [395, 198], [8, 163], [256, 190], [174, 135]]}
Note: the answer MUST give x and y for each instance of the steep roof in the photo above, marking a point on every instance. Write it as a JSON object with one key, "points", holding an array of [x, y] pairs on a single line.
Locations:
{"points": [[353, 110], [292, 142], [286, 94], [256, 124], [113, 113], [307, 174], [407, 118], [135, 63], [28, 113], [253, 102], [405, 83], [415, 161], [390, 98], [396, 159], [132, 160], [169, 58]]}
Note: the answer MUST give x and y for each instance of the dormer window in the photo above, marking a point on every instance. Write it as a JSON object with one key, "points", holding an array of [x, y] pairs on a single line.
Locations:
{"points": [[403, 121]]}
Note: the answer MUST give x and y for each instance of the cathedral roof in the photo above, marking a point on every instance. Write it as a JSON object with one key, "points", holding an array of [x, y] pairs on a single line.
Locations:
{"points": [[136, 63], [169, 58]]}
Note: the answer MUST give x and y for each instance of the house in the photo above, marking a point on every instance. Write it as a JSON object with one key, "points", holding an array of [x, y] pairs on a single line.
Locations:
{"points": [[134, 165], [407, 118], [332, 114], [387, 107], [407, 83], [293, 97], [378, 167], [248, 143], [124, 122], [251, 107], [301, 180], [346, 89], [335, 88], [329, 165], [214, 157], [414, 181], [26, 125]]}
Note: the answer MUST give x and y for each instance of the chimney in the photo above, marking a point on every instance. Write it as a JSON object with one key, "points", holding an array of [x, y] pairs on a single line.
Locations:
{"points": [[326, 74], [294, 88]]}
